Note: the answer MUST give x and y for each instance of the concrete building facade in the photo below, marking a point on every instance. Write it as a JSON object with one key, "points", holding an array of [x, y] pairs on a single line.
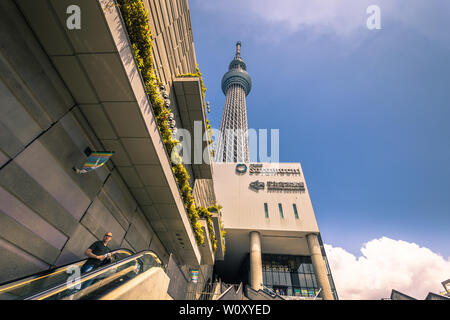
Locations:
{"points": [[273, 239], [64, 92]]}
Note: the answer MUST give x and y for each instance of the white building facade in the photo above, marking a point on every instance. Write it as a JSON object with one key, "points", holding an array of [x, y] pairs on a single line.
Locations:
{"points": [[273, 240]]}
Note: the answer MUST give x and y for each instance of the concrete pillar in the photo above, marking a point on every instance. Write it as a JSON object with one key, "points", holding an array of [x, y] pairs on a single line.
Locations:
{"points": [[319, 266], [256, 275]]}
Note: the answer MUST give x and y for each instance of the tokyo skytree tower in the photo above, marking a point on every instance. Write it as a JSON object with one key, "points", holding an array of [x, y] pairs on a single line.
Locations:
{"points": [[232, 143]]}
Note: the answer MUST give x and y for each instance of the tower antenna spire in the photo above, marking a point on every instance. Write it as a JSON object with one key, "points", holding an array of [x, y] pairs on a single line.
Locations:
{"points": [[238, 49]]}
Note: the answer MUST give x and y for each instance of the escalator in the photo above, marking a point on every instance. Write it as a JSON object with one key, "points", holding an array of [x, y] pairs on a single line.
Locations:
{"points": [[65, 282]]}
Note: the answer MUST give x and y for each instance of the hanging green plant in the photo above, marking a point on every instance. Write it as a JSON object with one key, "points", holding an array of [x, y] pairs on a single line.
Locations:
{"points": [[198, 74], [216, 208], [204, 213], [137, 24]]}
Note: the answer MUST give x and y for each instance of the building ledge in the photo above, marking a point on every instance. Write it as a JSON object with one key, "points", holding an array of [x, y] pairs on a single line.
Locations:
{"points": [[220, 251], [188, 92], [206, 248]]}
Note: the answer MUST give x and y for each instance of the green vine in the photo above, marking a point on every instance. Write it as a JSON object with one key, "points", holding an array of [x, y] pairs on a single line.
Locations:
{"points": [[137, 24], [217, 208], [198, 74], [204, 213]]}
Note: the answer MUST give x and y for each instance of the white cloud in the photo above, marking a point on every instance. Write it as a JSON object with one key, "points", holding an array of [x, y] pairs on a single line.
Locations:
{"points": [[340, 17], [387, 264]]}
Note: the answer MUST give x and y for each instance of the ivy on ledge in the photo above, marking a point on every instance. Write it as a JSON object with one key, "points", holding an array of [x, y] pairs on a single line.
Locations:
{"points": [[216, 208], [198, 74], [137, 24], [204, 213]]}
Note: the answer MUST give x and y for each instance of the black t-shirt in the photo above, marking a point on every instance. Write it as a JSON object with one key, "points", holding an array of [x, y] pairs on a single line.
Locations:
{"points": [[99, 249]]}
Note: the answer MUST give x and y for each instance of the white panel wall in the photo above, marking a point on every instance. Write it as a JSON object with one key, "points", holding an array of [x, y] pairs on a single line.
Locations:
{"points": [[243, 208]]}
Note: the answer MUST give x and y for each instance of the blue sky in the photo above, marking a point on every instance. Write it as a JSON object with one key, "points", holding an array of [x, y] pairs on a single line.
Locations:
{"points": [[366, 112]]}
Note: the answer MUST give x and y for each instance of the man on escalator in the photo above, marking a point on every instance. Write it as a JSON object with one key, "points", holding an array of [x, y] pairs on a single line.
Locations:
{"points": [[98, 254]]}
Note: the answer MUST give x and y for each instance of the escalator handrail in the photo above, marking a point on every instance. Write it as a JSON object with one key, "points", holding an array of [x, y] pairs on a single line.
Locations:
{"points": [[45, 273], [92, 274]]}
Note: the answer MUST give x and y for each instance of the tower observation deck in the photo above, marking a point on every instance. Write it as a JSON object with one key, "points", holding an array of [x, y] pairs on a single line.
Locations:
{"points": [[232, 145]]}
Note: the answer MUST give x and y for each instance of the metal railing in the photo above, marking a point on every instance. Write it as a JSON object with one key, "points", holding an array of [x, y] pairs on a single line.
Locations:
{"points": [[211, 291], [30, 285], [198, 291], [268, 290], [214, 291]]}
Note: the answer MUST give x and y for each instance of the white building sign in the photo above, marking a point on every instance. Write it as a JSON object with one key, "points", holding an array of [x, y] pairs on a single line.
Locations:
{"points": [[278, 186], [257, 168]]}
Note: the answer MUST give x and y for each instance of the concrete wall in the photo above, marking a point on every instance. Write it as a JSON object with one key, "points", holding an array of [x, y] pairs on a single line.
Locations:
{"points": [[173, 43], [151, 285], [243, 208], [49, 215], [178, 281], [203, 192], [205, 273]]}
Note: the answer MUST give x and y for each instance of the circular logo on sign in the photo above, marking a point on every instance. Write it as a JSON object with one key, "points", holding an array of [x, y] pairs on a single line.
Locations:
{"points": [[241, 168]]}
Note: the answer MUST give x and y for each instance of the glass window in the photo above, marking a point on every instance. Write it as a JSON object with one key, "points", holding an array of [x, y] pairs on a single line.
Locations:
{"points": [[266, 210], [295, 211], [282, 278], [281, 210], [330, 279], [303, 268], [313, 276], [302, 279], [289, 291], [298, 262], [309, 282], [300, 268], [294, 279], [276, 277], [267, 277], [326, 265], [308, 268], [292, 264], [288, 278], [294, 274]]}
